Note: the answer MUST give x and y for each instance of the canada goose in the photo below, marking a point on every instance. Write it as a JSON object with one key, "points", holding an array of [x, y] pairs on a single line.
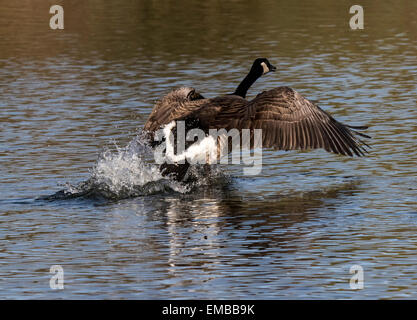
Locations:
{"points": [[287, 119]]}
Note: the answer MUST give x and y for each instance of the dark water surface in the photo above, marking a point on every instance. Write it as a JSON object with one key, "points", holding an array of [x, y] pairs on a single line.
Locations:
{"points": [[294, 231]]}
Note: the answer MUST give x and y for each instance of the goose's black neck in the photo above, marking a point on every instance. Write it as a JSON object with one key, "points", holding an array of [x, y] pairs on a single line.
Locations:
{"points": [[246, 83]]}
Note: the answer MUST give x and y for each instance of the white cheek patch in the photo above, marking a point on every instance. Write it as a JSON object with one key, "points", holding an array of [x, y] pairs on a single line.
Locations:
{"points": [[266, 69]]}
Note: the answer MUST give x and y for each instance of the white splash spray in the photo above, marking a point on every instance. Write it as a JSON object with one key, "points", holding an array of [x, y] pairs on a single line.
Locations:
{"points": [[129, 172]]}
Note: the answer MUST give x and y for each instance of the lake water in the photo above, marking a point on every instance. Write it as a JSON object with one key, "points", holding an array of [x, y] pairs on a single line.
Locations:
{"points": [[293, 231]]}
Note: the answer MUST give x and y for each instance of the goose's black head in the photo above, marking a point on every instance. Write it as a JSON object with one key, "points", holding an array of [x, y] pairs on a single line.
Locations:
{"points": [[261, 66]]}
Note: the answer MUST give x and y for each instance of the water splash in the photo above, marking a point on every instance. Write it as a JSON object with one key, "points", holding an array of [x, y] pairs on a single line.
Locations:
{"points": [[130, 172]]}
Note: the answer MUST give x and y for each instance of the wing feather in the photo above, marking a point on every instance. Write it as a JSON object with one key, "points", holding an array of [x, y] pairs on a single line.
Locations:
{"points": [[299, 124]]}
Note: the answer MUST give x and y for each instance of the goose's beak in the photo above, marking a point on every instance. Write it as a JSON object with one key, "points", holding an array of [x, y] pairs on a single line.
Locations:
{"points": [[272, 68]]}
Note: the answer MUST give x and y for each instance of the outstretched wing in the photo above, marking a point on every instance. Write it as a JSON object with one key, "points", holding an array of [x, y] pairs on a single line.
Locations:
{"points": [[178, 103], [290, 122]]}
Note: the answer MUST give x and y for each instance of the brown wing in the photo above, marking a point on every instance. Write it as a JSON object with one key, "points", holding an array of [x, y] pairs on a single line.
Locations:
{"points": [[214, 112], [289, 122], [176, 104]]}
